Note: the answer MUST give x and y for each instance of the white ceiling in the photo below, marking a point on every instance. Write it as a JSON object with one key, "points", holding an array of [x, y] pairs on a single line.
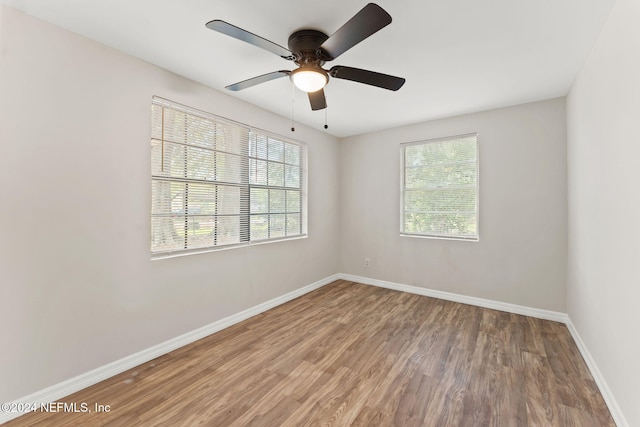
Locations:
{"points": [[458, 56]]}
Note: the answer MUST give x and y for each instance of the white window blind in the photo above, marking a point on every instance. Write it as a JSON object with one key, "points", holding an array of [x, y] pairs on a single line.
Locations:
{"points": [[440, 188], [217, 183]]}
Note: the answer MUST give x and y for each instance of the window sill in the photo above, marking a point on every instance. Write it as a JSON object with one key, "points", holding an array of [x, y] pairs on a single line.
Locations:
{"points": [[181, 253], [425, 236]]}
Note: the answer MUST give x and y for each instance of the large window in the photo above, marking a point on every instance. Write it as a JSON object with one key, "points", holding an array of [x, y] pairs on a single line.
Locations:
{"points": [[440, 188], [216, 183]]}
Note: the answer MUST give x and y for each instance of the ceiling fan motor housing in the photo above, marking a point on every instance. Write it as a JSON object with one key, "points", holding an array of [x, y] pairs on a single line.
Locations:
{"points": [[305, 46]]}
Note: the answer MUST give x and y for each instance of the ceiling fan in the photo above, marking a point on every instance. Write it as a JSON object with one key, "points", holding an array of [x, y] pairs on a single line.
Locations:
{"points": [[310, 49]]}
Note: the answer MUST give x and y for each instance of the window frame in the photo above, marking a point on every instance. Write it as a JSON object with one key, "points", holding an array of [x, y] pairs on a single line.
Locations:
{"points": [[245, 184], [442, 236]]}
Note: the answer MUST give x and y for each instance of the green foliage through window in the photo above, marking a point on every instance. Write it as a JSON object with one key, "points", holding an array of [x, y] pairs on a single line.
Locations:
{"points": [[440, 188]]}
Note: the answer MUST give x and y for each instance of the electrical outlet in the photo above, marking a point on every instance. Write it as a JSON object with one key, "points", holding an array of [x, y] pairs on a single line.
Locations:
{"points": [[367, 262]]}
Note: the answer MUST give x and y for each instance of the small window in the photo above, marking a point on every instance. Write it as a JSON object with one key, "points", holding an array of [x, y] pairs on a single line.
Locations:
{"points": [[440, 188], [217, 183]]}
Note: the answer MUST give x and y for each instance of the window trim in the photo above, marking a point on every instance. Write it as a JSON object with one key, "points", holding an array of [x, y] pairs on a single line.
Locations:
{"points": [[252, 132], [403, 233]]}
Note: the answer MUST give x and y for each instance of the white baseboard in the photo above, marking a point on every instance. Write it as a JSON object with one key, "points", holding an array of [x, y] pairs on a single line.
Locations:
{"points": [[616, 413], [58, 391], [480, 302]]}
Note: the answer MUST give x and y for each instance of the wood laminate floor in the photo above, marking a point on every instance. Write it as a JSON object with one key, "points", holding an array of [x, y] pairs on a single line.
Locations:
{"points": [[355, 355]]}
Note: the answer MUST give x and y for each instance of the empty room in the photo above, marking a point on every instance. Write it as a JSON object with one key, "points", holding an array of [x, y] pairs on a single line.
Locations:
{"points": [[287, 213]]}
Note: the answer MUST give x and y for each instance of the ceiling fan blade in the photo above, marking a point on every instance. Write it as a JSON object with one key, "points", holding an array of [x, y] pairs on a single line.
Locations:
{"points": [[244, 35], [367, 77], [369, 20], [318, 100], [257, 80]]}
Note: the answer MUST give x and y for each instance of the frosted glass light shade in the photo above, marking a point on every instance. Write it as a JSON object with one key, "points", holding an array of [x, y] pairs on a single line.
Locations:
{"points": [[309, 79]]}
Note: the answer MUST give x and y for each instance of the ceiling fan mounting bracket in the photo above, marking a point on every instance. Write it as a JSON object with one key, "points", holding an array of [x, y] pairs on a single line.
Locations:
{"points": [[305, 45]]}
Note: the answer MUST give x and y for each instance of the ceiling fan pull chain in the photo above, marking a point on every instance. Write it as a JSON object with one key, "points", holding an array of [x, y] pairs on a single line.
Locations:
{"points": [[326, 126], [293, 97]]}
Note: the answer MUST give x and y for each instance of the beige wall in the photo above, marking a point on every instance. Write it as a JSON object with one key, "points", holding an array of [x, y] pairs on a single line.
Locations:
{"points": [[521, 255], [77, 287], [603, 112]]}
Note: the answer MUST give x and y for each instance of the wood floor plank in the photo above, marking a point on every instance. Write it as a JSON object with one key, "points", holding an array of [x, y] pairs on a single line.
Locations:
{"points": [[540, 393], [349, 354], [370, 417]]}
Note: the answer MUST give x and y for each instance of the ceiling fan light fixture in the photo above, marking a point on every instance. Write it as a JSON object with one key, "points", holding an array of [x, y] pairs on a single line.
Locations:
{"points": [[309, 79]]}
